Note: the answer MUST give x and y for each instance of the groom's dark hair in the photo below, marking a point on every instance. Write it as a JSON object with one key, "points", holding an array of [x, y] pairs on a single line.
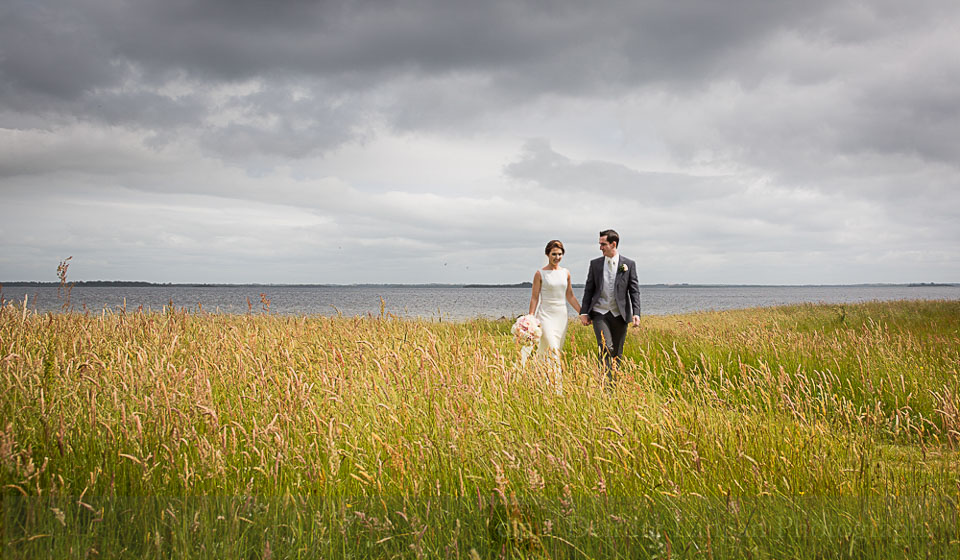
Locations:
{"points": [[612, 236]]}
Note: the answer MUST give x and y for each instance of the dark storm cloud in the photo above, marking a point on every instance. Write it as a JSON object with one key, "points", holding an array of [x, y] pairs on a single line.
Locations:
{"points": [[541, 44], [104, 60], [71, 48], [52, 51]]}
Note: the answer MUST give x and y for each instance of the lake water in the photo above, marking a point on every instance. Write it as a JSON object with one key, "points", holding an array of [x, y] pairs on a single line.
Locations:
{"points": [[442, 302]]}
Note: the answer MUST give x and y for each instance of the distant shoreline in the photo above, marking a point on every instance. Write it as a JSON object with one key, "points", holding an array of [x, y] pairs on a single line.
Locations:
{"points": [[140, 284]]}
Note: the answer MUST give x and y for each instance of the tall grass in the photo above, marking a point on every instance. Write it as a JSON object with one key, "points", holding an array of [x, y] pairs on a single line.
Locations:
{"points": [[804, 431]]}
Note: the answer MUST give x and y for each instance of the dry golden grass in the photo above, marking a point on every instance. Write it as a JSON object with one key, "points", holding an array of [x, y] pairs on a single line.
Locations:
{"points": [[795, 431]]}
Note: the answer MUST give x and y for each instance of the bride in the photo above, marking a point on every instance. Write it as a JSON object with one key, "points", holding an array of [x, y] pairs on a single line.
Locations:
{"points": [[552, 290]]}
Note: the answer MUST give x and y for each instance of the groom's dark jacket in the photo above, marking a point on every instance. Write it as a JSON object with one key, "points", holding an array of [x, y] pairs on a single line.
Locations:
{"points": [[626, 288]]}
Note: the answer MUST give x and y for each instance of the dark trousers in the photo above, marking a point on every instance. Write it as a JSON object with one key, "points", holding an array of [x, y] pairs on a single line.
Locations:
{"points": [[611, 333]]}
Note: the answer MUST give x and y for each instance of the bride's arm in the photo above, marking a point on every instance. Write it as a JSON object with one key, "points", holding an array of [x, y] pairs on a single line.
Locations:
{"points": [[535, 295], [572, 299]]}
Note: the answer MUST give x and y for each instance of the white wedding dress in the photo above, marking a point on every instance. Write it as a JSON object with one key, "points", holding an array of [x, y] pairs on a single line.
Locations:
{"points": [[552, 313]]}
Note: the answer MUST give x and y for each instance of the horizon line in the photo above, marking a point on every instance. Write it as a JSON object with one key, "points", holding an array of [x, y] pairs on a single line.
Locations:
{"points": [[143, 283]]}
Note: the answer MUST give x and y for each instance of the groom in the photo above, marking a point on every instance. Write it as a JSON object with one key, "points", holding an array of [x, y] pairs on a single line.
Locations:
{"points": [[611, 299]]}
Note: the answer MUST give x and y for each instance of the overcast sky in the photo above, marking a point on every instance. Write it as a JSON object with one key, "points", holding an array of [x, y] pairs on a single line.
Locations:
{"points": [[296, 141]]}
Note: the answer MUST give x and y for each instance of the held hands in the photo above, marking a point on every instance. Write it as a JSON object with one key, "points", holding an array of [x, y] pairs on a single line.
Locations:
{"points": [[586, 321]]}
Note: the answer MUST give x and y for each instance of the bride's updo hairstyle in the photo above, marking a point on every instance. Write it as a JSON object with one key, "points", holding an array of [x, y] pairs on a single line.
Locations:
{"points": [[554, 244]]}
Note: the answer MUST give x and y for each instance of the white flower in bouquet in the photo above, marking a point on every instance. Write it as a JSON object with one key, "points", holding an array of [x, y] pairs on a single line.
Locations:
{"points": [[527, 330]]}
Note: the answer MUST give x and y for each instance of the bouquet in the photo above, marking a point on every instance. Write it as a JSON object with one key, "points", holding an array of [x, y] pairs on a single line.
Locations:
{"points": [[527, 330]]}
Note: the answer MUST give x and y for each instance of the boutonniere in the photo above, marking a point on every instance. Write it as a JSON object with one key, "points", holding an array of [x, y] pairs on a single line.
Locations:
{"points": [[623, 268]]}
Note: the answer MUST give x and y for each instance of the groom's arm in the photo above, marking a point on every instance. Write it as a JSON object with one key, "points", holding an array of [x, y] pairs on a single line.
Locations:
{"points": [[586, 303], [633, 287]]}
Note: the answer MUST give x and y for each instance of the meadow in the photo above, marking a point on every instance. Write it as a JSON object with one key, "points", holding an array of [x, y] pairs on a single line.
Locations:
{"points": [[806, 431]]}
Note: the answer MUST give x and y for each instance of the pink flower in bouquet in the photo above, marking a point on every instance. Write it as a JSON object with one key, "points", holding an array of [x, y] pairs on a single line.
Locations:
{"points": [[526, 330]]}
